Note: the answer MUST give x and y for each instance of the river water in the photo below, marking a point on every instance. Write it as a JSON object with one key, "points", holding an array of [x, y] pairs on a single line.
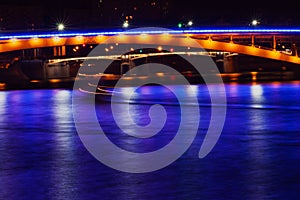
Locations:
{"points": [[256, 157]]}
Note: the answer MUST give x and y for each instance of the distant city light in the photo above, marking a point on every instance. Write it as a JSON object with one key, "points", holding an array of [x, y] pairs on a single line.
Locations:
{"points": [[60, 27], [179, 25], [190, 23]]}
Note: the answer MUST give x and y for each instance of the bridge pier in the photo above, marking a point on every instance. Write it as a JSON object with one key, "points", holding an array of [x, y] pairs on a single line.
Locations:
{"points": [[30, 53], [55, 71], [36, 53], [230, 64]]}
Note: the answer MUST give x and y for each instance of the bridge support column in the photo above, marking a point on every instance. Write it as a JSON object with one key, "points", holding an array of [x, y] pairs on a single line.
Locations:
{"points": [[36, 53], [55, 51], [63, 50], [294, 50], [23, 53], [231, 39], [274, 42], [59, 51], [230, 64], [252, 40], [30, 53]]}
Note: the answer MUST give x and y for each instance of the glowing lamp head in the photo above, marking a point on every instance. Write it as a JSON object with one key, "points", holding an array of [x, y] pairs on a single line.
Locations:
{"points": [[254, 22], [60, 27], [125, 24]]}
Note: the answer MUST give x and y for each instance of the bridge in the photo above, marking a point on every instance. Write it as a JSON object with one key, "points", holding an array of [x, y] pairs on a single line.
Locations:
{"points": [[277, 44]]}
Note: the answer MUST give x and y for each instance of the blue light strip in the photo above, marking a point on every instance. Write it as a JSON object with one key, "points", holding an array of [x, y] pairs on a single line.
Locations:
{"points": [[271, 31], [8, 36]]}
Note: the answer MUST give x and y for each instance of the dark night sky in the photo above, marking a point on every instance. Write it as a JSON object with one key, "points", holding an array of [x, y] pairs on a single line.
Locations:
{"points": [[232, 13], [207, 12]]}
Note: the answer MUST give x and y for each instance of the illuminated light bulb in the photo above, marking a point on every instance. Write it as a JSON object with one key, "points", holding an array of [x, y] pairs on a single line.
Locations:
{"points": [[60, 27], [125, 24], [254, 22]]}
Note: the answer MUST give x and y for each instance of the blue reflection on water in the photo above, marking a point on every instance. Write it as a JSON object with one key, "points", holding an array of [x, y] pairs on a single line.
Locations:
{"points": [[257, 156]]}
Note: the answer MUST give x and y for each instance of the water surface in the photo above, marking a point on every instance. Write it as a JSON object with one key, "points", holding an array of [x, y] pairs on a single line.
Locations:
{"points": [[256, 157]]}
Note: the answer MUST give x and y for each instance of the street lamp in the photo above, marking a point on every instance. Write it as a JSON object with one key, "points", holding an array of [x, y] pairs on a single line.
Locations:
{"points": [[60, 27], [125, 24], [254, 22]]}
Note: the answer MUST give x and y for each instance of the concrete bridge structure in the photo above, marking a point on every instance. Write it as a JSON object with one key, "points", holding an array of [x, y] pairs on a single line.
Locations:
{"points": [[278, 44]]}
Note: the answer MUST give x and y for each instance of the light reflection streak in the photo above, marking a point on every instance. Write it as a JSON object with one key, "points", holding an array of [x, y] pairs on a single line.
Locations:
{"points": [[3, 106], [259, 155], [63, 117], [192, 90], [63, 135], [257, 93]]}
